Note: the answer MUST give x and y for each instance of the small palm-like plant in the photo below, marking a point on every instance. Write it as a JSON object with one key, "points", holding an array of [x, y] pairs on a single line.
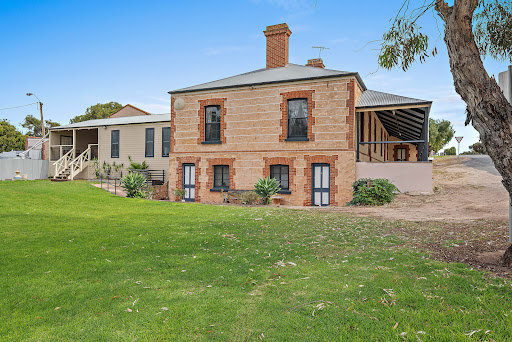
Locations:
{"points": [[267, 187], [133, 184]]}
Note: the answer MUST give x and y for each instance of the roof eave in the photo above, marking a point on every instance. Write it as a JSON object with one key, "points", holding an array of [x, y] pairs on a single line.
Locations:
{"points": [[405, 105], [355, 74]]}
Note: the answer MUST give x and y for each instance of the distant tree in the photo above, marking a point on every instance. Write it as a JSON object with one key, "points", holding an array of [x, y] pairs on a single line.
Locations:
{"points": [[478, 147], [450, 151], [440, 132], [33, 125], [98, 111], [10, 137]]}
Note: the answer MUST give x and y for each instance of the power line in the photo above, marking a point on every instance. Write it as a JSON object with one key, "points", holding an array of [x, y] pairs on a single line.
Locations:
{"points": [[30, 104]]}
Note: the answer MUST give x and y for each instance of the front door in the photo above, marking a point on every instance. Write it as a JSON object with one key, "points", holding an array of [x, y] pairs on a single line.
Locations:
{"points": [[189, 181], [321, 185]]}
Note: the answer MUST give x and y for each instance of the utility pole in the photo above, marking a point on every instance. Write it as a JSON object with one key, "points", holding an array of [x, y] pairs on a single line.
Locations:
{"points": [[41, 111]]}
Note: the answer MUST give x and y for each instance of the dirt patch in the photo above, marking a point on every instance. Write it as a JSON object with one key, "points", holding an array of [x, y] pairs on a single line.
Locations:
{"points": [[465, 220], [461, 194]]}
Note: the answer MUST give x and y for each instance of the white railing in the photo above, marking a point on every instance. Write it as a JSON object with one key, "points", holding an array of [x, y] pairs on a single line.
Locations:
{"points": [[63, 163], [37, 144], [58, 151], [80, 162]]}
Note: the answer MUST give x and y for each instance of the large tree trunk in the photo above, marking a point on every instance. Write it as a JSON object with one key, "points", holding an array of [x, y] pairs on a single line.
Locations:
{"points": [[487, 108]]}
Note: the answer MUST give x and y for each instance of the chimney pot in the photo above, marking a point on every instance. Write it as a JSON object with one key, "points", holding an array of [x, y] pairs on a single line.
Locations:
{"points": [[277, 45], [316, 62]]}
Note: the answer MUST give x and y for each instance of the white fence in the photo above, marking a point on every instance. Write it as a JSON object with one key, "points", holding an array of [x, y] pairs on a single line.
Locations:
{"points": [[32, 169], [407, 176]]}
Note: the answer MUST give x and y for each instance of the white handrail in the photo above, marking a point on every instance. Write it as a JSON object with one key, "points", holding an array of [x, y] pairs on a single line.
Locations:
{"points": [[62, 164], [40, 141], [80, 162]]}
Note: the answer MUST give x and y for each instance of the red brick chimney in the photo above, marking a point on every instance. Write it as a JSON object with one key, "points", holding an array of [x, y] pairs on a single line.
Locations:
{"points": [[317, 63], [277, 45]]}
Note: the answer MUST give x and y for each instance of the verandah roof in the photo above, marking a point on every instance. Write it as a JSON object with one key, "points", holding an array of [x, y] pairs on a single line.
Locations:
{"points": [[403, 117]]}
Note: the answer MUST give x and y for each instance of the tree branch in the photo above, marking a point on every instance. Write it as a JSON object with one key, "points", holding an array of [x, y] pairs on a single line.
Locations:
{"points": [[443, 9]]}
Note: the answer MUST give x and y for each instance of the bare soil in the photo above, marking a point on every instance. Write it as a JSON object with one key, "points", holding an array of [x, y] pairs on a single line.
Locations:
{"points": [[464, 220], [461, 194]]}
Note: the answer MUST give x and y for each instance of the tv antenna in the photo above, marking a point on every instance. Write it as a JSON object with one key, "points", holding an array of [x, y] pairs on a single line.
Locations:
{"points": [[320, 48]]}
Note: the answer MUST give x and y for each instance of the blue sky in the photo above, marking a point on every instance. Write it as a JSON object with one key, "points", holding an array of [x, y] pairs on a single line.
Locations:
{"points": [[74, 54]]}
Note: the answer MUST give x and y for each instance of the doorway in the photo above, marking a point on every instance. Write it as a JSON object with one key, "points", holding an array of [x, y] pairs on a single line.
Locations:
{"points": [[321, 185], [189, 182]]}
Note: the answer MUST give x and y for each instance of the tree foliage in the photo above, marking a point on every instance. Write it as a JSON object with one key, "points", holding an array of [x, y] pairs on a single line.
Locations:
{"points": [[98, 111], [452, 151], [478, 147], [33, 125], [10, 137], [404, 42], [440, 132]]}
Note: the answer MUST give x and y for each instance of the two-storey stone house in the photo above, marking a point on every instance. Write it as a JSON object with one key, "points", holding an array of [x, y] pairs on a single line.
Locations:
{"points": [[309, 127]]}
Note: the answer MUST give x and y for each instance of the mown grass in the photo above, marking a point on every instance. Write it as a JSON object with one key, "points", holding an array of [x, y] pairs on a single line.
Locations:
{"points": [[77, 263]]}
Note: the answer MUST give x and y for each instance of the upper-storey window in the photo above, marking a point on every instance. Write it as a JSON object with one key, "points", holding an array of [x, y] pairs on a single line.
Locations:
{"points": [[297, 118], [166, 141], [114, 144], [150, 142], [212, 123]]}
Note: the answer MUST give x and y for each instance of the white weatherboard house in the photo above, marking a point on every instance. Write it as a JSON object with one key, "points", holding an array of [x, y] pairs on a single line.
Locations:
{"points": [[128, 132]]}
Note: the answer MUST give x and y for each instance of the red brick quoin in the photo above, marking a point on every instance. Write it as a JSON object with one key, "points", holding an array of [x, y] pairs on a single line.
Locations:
{"points": [[352, 115], [173, 126], [281, 161], [179, 182], [221, 161], [201, 113], [333, 172], [300, 94]]}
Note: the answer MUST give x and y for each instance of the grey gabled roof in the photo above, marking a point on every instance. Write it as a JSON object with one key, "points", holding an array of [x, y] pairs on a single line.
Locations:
{"points": [[139, 119], [289, 73], [372, 98]]}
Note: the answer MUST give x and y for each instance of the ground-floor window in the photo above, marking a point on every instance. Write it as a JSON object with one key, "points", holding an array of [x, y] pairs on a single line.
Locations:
{"points": [[221, 176], [401, 154], [281, 174]]}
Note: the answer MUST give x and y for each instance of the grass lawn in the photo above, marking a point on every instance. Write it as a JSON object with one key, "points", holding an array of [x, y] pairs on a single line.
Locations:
{"points": [[77, 263]]}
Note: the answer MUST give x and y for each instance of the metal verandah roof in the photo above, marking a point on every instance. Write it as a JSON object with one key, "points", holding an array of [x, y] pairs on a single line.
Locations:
{"points": [[404, 119], [405, 123]]}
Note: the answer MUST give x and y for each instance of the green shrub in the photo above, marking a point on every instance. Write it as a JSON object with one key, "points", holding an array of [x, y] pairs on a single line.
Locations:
{"points": [[134, 184], [248, 197], [450, 151], [138, 166], [267, 187], [368, 191], [179, 193]]}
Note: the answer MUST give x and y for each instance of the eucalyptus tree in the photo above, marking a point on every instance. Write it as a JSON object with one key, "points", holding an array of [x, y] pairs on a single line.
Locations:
{"points": [[473, 30]]}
